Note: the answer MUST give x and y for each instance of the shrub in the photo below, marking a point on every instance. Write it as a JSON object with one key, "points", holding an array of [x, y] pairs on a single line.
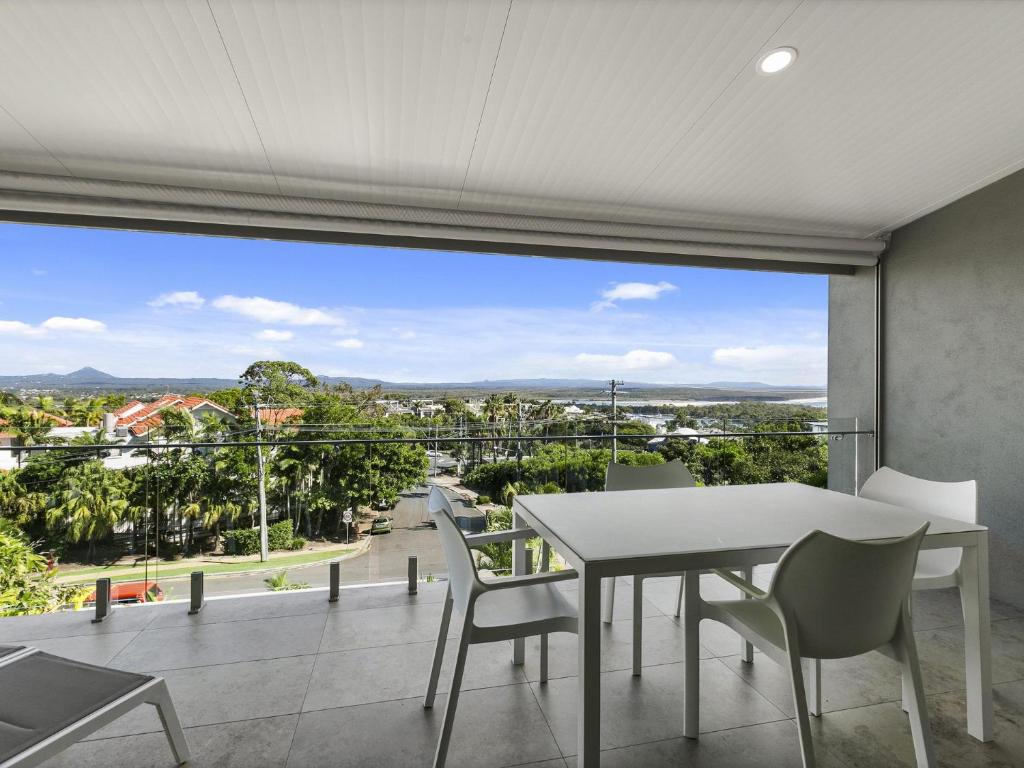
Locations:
{"points": [[299, 542], [483, 499], [243, 541], [279, 535]]}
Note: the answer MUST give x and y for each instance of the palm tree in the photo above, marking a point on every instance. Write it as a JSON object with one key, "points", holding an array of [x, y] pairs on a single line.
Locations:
{"points": [[90, 502]]}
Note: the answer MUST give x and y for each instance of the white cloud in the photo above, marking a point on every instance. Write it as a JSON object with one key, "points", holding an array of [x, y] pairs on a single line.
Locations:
{"points": [[38, 272], [798, 359], [269, 334], [632, 292], [349, 344], [270, 311], [18, 328], [74, 324], [407, 335], [187, 299], [634, 360], [54, 324]]}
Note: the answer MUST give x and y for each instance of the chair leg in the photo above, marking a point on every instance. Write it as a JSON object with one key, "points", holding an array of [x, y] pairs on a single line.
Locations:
{"points": [[803, 723], [172, 726], [814, 683], [453, 695], [543, 658], [442, 639], [608, 608], [638, 624], [679, 597], [917, 706]]}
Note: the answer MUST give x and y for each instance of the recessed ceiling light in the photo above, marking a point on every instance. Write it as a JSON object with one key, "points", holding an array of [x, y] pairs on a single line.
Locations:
{"points": [[776, 60]]}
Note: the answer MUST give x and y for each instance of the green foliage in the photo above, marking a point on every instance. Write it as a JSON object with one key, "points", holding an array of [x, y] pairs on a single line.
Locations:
{"points": [[299, 542], [279, 535], [279, 583], [243, 541], [483, 498], [26, 585], [567, 468]]}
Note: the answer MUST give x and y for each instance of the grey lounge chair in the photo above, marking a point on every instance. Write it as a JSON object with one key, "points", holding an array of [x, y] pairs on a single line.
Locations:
{"points": [[49, 703]]}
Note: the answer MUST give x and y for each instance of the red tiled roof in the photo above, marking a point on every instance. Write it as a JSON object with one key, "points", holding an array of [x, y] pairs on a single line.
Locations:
{"points": [[141, 417], [273, 417]]}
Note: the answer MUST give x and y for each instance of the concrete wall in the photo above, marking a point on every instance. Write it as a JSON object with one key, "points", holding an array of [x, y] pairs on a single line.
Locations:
{"points": [[953, 372], [851, 374]]}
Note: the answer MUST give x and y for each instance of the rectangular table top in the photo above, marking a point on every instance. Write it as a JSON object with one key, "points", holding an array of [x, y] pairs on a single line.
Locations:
{"points": [[616, 525]]}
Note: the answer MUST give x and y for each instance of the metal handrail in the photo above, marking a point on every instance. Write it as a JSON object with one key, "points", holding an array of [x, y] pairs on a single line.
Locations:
{"points": [[424, 440]]}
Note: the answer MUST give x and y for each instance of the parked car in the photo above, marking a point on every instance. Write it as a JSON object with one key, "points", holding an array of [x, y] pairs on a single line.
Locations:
{"points": [[380, 524], [127, 592]]}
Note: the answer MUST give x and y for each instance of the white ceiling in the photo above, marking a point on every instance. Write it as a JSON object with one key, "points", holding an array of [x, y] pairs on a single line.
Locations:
{"points": [[642, 111]]}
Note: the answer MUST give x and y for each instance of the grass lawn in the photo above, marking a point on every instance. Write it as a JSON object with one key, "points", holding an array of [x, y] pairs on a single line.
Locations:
{"points": [[183, 568]]}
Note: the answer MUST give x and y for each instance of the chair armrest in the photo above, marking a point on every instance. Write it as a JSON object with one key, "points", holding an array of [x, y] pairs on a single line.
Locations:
{"points": [[741, 584], [494, 537], [547, 577]]}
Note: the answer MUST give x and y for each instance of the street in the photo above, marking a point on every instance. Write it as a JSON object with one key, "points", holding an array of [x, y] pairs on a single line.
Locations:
{"points": [[386, 560]]}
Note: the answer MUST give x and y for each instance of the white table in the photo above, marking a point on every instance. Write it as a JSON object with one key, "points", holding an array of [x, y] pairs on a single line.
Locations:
{"points": [[693, 529]]}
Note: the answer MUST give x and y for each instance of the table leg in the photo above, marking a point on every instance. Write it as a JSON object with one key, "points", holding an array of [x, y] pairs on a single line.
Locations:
{"points": [[977, 637], [691, 654], [589, 677], [518, 569], [746, 647]]}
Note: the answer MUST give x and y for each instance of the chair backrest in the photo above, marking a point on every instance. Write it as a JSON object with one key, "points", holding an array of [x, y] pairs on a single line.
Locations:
{"points": [[462, 575], [956, 500], [624, 477], [844, 596]]}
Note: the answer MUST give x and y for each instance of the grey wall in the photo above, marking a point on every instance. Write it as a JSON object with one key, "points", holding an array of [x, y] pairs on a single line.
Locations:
{"points": [[953, 373], [952, 359], [851, 374]]}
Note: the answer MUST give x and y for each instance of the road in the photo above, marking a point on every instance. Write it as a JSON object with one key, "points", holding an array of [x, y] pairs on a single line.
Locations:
{"points": [[386, 560]]}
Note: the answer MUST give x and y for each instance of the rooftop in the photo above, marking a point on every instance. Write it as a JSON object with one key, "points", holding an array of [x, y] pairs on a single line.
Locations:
{"points": [[286, 679]]}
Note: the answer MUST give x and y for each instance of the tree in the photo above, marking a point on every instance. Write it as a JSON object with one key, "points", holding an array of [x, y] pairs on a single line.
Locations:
{"points": [[279, 382], [89, 501]]}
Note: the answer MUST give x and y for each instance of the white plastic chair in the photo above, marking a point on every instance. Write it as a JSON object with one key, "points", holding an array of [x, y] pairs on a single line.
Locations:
{"points": [[831, 598], [624, 477], [505, 609]]}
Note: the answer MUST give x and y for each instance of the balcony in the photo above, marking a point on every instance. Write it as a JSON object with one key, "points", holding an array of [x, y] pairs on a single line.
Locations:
{"points": [[290, 680]]}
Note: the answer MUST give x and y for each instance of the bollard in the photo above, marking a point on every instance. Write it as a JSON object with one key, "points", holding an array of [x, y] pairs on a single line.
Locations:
{"points": [[529, 560], [103, 604], [413, 574], [198, 599], [332, 595]]}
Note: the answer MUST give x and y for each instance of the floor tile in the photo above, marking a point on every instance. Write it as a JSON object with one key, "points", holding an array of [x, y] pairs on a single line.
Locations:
{"points": [[368, 675], [125, 618], [207, 644], [376, 627], [754, 746], [261, 606], [493, 727], [663, 644], [649, 708], [95, 649], [248, 744], [225, 692]]}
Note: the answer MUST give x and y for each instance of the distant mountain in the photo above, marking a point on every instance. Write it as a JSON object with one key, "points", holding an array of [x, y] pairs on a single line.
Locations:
{"points": [[88, 379]]}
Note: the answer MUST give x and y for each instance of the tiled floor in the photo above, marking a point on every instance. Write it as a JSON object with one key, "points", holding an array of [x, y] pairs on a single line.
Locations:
{"points": [[289, 680]]}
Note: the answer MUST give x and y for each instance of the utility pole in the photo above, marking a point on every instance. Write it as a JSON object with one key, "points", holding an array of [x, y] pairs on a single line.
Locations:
{"points": [[264, 544], [615, 418]]}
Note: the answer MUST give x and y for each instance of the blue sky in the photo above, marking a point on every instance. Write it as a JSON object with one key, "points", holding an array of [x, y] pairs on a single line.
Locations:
{"points": [[137, 304]]}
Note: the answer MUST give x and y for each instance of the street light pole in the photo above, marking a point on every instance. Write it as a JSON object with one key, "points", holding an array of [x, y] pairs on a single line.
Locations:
{"points": [[260, 477]]}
